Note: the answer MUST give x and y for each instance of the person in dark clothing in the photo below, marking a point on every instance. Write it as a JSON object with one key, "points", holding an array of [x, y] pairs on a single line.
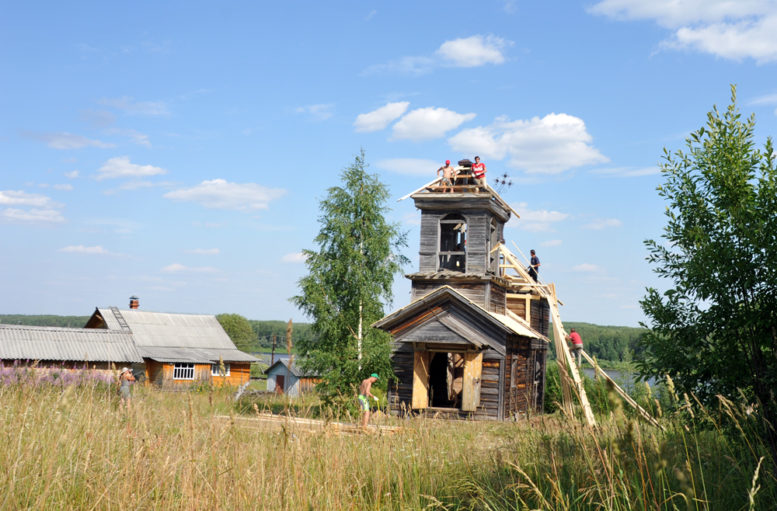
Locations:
{"points": [[534, 266]]}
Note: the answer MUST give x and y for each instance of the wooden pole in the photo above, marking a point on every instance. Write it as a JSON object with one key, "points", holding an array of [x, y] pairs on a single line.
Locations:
{"points": [[642, 412]]}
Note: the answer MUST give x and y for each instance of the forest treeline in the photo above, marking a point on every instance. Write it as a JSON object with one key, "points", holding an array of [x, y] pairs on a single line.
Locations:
{"points": [[613, 343]]}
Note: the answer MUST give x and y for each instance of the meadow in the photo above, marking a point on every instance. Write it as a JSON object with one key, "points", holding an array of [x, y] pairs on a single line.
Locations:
{"points": [[73, 447]]}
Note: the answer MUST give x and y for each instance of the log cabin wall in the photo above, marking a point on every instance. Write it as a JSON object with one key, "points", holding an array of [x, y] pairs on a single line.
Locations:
{"points": [[496, 302], [540, 316], [524, 382]]}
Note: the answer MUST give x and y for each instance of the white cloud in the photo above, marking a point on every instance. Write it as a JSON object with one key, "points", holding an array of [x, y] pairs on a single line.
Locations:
{"points": [[294, 257], [551, 243], [81, 249], [410, 166], [132, 107], [428, 123], [72, 174], [20, 198], [64, 187], [548, 145], [320, 112], [65, 140], [135, 136], [603, 223], [221, 194], [179, 268], [29, 208], [380, 118], [768, 99], [536, 220], [627, 171], [473, 51], [33, 215], [121, 167], [586, 268], [204, 251], [729, 29]]}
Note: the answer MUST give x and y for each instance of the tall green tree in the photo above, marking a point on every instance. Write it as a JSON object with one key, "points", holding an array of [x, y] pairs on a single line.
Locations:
{"points": [[349, 280], [239, 330], [715, 329]]}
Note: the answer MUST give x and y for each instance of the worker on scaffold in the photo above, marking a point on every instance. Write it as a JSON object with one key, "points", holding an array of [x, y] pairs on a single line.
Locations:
{"points": [[479, 173], [448, 175]]}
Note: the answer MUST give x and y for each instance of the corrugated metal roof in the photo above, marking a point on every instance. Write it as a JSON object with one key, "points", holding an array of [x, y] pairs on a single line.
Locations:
{"points": [[168, 337], [18, 342], [293, 369], [195, 355]]}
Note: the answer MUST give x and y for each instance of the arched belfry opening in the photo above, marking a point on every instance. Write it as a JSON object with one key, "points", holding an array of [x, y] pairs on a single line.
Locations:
{"points": [[453, 243]]}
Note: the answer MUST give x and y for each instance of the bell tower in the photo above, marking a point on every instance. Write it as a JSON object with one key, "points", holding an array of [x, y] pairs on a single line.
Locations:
{"points": [[460, 233]]}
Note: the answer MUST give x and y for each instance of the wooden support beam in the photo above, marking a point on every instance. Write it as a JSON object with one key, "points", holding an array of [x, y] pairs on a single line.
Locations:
{"points": [[570, 378], [642, 412]]}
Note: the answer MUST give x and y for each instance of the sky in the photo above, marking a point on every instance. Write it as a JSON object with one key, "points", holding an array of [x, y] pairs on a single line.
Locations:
{"points": [[178, 151]]}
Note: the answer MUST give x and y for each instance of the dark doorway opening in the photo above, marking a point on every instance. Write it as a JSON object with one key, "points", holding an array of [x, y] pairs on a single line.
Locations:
{"points": [[446, 371]]}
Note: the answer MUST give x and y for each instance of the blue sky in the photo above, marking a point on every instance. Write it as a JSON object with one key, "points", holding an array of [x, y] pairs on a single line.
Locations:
{"points": [[178, 151]]}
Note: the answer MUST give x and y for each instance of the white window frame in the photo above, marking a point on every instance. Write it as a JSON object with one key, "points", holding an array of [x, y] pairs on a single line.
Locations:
{"points": [[215, 370], [183, 371]]}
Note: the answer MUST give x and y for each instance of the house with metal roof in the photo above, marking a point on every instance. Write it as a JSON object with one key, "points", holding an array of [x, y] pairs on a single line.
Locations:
{"points": [[178, 349], [285, 376], [67, 348]]}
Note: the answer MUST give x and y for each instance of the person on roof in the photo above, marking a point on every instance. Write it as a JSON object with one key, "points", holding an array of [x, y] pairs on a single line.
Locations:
{"points": [[534, 266], [479, 173], [448, 174]]}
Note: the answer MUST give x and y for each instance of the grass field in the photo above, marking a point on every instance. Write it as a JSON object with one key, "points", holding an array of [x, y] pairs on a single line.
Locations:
{"points": [[73, 447]]}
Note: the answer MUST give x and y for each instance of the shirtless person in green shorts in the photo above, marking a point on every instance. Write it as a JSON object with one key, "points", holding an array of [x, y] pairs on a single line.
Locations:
{"points": [[364, 393]]}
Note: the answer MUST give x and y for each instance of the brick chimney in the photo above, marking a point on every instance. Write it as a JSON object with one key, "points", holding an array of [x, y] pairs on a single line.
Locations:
{"points": [[134, 302]]}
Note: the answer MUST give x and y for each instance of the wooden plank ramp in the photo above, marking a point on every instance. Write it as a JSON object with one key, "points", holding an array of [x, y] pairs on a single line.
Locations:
{"points": [[626, 397], [273, 422]]}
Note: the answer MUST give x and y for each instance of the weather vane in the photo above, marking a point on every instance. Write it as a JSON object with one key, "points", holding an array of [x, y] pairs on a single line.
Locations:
{"points": [[502, 183]]}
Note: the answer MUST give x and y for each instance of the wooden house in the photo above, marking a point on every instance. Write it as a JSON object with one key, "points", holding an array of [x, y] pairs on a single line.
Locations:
{"points": [[284, 377], [472, 343], [178, 349], [71, 349]]}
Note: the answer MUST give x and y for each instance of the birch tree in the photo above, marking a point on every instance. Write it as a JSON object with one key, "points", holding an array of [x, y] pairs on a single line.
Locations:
{"points": [[348, 282]]}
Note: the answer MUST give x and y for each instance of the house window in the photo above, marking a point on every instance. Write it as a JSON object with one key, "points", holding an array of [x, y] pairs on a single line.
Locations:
{"points": [[183, 371], [215, 370], [453, 243]]}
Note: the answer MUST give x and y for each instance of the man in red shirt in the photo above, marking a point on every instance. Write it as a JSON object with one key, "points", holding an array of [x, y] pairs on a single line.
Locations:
{"points": [[479, 172], [577, 345]]}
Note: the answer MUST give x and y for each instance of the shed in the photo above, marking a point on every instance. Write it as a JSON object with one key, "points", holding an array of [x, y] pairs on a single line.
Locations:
{"points": [[284, 377], [178, 349]]}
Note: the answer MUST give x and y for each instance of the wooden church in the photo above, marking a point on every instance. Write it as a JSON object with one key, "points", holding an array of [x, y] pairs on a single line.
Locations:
{"points": [[473, 341]]}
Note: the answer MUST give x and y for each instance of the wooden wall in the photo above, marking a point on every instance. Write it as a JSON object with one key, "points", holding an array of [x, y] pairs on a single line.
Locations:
{"points": [[161, 374], [401, 390], [239, 373], [524, 382]]}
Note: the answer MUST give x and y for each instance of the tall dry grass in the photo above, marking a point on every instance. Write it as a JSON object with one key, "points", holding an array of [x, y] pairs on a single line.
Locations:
{"points": [[73, 448]]}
